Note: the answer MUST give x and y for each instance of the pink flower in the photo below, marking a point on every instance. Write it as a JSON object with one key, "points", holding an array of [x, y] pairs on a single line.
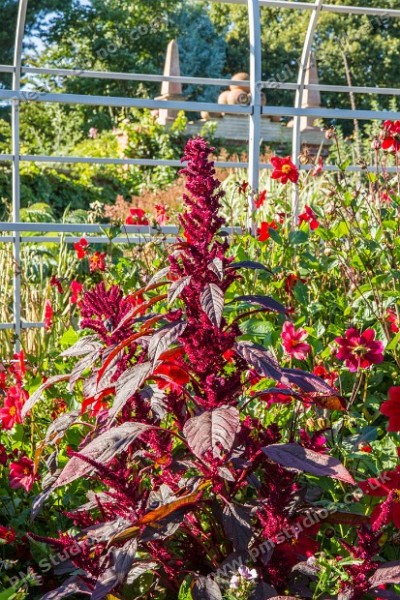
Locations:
{"points": [[93, 133], [359, 350], [48, 314], [318, 167], [22, 474], [309, 216], [293, 341], [393, 320], [161, 214], [10, 414], [76, 289]]}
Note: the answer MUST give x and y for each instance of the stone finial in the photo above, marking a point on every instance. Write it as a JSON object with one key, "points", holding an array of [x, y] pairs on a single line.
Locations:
{"points": [[311, 98], [170, 90]]}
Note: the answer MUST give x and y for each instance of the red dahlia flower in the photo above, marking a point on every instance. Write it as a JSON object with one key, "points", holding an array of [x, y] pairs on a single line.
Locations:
{"points": [[10, 414], [393, 320], [260, 199], [284, 169], [97, 262], [391, 136], [359, 350], [136, 217], [329, 376], [309, 216], [76, 289], [48, 314], [263, 232], [56, 282], [7, 535], [293, 341], [391, 409], [388, 487], [81, 248], [22, 474]]}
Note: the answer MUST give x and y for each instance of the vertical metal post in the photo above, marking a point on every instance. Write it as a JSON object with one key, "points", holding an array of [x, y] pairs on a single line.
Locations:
{"points": [[16, 183], [255, 117], [305, 56]]}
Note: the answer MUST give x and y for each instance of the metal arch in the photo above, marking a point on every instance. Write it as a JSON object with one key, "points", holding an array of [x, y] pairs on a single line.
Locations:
{"points": [[16, 181], [256, 114], [305, 58]]}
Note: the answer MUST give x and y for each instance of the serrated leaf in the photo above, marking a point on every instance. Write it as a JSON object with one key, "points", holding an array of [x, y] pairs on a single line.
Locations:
{"points": [[73, 585], [260, 359], [236, 523], [217, 267], [264, 301], [163, 338], [35, 397], [294, 456], [212, 302], [102, 449], [58, 427], [121, 561], [128, 384], [138, 569], [85, 345], [205, 588], [212, 430], [81, 366], [177, 288]]}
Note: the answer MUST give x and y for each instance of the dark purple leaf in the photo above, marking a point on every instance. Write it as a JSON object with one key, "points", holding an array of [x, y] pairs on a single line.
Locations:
{"points": [[206, 588], [39, 501], [217, 267], [158, 276], [249, 264], [102, 449], [386, 594], [103, 532], [177, 288], [81, 366], [263, 591], [121, 561], [294, 456], [264, 301], [387, 573], [128, 384], [163, 338], [85, 345], [30, 403], [306, 381], [213, 431], [263, 361], [236, 523], [138, 569], [73, 585], [212, 302], [57, 428], [283, 598]]}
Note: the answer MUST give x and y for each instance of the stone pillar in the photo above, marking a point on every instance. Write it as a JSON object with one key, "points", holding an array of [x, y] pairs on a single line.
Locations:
{"points": [[311, 98], [170, 90]]}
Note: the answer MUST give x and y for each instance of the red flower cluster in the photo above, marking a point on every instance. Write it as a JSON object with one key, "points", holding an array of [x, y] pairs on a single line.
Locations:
{"points": [[359, 350], [81, 248], [260, 199], [97, 262], [393, 320], [391, 136], [263, 232], [48, 314], [161, 214], [7, 535], [284, 169], [137, 216], [309, 216], [391, 409]]}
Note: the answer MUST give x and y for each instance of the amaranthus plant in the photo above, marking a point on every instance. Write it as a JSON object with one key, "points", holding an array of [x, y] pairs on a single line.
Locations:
{"points": [[191, 486]]}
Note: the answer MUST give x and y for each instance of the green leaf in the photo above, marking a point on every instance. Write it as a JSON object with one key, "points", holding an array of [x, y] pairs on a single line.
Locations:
{"points": [[297, 237], [275, 236], [69, 338], [184, 592], [392, 345]]}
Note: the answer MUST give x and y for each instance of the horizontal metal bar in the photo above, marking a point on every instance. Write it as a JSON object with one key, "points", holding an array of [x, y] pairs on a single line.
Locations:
{"points": [[356, 89], [114, 161], [24, 325], [331, 113], [115, 75], [7, 69], [333, 8], [82, 227], [34, 96]]}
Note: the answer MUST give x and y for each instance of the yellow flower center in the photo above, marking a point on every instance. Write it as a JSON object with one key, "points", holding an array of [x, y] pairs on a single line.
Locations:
{"points": [[12, 411], [396, 496], [26, 471], [286, 169]]}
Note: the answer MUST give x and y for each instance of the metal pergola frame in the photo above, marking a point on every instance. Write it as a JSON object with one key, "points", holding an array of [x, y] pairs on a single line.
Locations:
{"points": [[255, 111]]}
